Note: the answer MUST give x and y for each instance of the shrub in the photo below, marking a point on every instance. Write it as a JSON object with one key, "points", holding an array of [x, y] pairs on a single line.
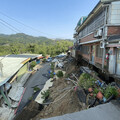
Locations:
{"points": [[109, 91], [59, 74], [44, 60], [51, 75], [33, 64], [96, 90], [52, 66], [30, 98], [45, 94], [36, 89], [86, 81]]}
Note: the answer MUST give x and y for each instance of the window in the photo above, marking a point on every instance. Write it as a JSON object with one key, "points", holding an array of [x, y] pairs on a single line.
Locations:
{"points": [[99, 51], [94, 24], [85, 49]]}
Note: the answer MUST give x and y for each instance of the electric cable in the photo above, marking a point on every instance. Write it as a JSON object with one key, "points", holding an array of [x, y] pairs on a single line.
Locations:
{"points": [[10, 25], [26, 25]]}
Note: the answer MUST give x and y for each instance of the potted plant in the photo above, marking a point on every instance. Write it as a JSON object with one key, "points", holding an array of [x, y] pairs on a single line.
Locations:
{"points": [[86, 81], [98, 93], [90, 89]]}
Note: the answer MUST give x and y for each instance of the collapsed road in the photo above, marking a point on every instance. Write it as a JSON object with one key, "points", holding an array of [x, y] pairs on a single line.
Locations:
{"points": [[38, 79]]}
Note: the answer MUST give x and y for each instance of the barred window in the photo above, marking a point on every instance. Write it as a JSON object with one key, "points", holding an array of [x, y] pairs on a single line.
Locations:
{"points": [[85, 49], [99, 51]]}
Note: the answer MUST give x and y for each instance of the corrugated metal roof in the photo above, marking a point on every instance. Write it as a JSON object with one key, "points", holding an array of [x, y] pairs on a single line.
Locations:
{"points": [[114, 37], [10, 66]]}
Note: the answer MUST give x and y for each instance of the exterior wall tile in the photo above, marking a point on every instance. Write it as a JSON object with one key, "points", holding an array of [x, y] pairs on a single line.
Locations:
{"points": [[88, 38], [113, 30]]}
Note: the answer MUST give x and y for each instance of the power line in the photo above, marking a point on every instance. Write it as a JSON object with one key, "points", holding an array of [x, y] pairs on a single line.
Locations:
{"points": [[26, 25], [10, 25]]}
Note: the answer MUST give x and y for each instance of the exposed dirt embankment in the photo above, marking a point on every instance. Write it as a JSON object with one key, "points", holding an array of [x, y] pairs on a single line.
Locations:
{"points": [[64, 98]]}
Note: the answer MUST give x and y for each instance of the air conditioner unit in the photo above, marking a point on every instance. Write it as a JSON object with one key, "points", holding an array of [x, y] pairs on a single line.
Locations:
{"points": [[102, 44], [98, 33]]}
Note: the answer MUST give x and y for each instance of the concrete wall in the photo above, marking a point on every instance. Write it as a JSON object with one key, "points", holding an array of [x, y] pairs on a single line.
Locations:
{"points": [[73, 53], [112, 61]]}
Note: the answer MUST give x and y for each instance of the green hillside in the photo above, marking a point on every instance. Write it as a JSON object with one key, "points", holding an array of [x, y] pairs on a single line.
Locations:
{"points": [[23, 38], [22, 43]]}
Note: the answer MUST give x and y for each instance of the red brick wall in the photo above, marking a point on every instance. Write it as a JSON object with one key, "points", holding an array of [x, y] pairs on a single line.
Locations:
{"points": [[99, 60], [88, 57], [88, 38], [113, 30]]}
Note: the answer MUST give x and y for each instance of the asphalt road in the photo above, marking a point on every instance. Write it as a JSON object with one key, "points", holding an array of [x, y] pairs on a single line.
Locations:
{"points": [[37, 79]]}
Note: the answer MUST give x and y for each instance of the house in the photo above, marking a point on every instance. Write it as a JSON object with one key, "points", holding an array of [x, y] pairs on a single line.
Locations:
{"points": [[97, 37], [14, 71]]}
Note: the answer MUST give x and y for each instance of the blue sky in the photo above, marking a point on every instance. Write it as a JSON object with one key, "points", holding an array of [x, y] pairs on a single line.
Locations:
{"points": [[50, 18]]}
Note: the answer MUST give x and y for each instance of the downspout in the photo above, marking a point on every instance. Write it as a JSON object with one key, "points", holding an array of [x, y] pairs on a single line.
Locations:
{"points": [[104, 37]]}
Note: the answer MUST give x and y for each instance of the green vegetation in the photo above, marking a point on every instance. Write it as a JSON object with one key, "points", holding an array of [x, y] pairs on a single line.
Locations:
{"points": [[86, 81], [22, 43], [36, 89], [51, 75], [45, 94], [33, 63], [96, 90], [52, 66], [59, 74], [30, 98], [109, 91], [44, 59]]}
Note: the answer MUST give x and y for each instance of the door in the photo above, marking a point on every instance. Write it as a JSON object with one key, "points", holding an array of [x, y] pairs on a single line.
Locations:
{"points": [[118, 62], [93, 54]]}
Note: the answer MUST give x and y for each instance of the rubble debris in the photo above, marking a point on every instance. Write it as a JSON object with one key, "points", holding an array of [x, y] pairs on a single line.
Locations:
{"points": [[7, 86], [60, 65], [29, 111], [55, 60], [64, 100], [82, 96], [85, 69], [24, 78], [16, 92], [6, 113], [66, 96]]}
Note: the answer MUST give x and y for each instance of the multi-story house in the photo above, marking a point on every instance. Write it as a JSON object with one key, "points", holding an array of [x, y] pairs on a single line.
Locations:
{"points": [[97, 37]]}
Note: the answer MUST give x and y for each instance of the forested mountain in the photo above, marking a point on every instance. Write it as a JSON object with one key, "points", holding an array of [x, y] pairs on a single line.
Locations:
{"points": [[23, 38], [22, 43]]}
